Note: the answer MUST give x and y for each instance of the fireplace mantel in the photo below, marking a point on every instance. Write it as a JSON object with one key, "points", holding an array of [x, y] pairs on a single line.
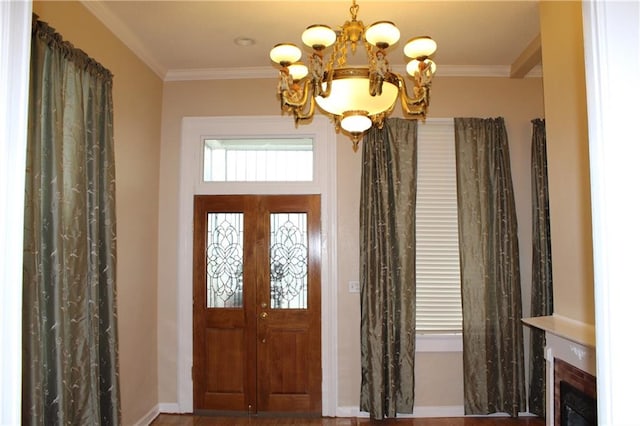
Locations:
{"points": [[571, 341], [575, 331]]}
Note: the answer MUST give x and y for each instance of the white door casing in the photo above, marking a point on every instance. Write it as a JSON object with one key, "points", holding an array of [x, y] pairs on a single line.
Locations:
{"points": [[194, 131]]}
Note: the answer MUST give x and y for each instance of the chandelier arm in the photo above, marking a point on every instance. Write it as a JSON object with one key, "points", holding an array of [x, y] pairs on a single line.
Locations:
{"points": [[329, 80], [418, 109], [299, 113], [330, 66], [417, 105], [297, 98]]}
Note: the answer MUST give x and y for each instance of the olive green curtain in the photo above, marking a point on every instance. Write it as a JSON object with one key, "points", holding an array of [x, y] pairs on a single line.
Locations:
{"points": [[489, 264], [70, 357], [387, 268], [541, 280]]}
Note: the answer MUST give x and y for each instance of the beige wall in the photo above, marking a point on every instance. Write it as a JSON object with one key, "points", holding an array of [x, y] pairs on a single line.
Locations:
{"points": [[568, 153], [137, 98], [439, 376], [146, 222]]}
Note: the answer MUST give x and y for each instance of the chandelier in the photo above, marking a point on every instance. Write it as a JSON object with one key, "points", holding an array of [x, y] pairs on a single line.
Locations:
{"points": [[356, 97]]}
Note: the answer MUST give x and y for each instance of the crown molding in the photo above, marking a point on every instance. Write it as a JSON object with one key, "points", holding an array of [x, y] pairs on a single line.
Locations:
{"points": [[473, 71], [536, 72], [271, 72], [220, 73], [124, 34]]}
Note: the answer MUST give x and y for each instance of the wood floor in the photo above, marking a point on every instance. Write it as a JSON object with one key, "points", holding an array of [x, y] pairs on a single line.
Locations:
{"points": [[188, 420]]}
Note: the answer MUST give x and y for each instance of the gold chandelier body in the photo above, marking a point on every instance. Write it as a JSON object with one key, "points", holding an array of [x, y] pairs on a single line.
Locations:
{"points": [[355, 97]]}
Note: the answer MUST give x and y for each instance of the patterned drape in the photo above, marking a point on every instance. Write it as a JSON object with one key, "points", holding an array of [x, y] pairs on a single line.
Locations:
{"points": [[541, 280], [489, 264], [387, 268], [70, 358]]}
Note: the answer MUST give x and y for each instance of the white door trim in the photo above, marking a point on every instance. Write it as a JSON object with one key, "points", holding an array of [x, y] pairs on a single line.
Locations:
{"points": [[194, 130], [612, 65], [15, 43]]}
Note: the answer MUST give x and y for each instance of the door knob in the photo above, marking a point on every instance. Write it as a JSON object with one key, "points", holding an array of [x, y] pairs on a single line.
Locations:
{"points": [[263, 314], [263, 305]]}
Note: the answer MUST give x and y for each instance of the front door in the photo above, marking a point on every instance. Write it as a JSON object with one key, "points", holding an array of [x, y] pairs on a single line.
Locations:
{"points": [[256, 312]]}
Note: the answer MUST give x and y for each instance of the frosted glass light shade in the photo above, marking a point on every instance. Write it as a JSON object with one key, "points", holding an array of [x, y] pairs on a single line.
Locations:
{"points": [[298, 70], [355, 122], [318, 36], [382, 34], [414, 66], [285, 54], [420, 47], [350, 92]]}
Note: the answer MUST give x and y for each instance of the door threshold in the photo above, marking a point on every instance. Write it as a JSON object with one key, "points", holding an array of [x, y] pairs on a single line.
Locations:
{"points": [[261, 414]]}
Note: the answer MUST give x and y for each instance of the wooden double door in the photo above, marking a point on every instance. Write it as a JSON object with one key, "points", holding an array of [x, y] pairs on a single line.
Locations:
{"points": [[256, 312]]}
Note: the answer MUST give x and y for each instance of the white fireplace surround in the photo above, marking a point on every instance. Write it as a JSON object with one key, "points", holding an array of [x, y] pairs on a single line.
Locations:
{"points": [[571, 341]]}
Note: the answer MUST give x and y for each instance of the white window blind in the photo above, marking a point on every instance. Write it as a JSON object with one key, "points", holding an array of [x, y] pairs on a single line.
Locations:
{"points": [[438, 302]]}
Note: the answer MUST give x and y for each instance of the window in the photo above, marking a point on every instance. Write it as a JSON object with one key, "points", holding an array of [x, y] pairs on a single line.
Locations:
{"points": [[258, 160], [438, 300]]}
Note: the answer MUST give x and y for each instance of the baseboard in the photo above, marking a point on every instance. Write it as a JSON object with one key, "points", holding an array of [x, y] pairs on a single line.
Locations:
{"points": [[438, 411], [353, 411], [170, 407], [163, 407], [149, 417], [429, 411]]}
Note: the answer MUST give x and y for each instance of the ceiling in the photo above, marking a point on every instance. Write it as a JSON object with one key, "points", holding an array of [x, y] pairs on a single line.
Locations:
{"points": [[197, 39]]}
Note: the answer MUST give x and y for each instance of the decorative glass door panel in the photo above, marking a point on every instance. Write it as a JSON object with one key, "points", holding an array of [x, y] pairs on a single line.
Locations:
{"points": [[289, 260], [225, 235]]}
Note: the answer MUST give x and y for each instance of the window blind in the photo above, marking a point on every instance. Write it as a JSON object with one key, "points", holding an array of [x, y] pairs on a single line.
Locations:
{"points": [[438, 301]]}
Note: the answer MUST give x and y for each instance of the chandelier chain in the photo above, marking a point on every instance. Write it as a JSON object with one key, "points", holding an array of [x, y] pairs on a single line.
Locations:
{"points": [[332, 61], [342, 58], [354, 10]]}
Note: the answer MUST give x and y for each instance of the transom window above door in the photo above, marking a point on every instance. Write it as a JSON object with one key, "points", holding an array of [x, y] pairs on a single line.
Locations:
{"points": [[258, 160]]}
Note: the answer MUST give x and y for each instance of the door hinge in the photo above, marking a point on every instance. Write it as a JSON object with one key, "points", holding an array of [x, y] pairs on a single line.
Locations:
{"points": [[192, 372]]}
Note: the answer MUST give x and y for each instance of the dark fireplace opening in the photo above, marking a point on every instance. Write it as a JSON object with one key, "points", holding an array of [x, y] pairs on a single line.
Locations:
{"points": [[576, 407]]}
